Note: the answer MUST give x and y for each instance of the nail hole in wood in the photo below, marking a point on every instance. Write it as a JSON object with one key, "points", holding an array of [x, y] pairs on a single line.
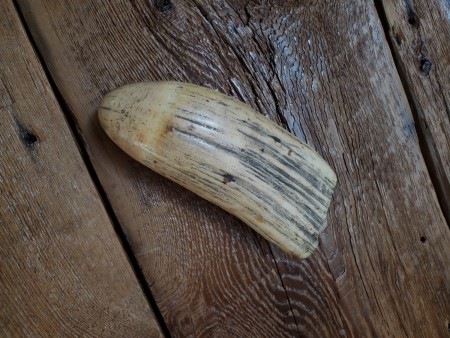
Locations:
{"points": [[423, 239], [413, 19], [27, 136], [425, 66], [163, 5]]}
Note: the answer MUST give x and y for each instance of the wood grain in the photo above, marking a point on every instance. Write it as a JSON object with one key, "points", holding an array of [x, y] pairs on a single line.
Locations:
{"points": [[419, 32], [63, 271], [323, 70], [224, 151]]}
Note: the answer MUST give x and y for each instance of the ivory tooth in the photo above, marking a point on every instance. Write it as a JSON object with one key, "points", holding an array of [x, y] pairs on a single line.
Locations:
{"points": [[227, 153]]}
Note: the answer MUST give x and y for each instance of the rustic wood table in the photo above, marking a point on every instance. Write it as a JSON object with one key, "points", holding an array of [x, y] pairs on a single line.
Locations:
{"points": [[94, 244]]}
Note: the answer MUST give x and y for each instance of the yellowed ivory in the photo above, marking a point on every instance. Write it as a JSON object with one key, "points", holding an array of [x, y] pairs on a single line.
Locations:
{"points": [[227, 153]]}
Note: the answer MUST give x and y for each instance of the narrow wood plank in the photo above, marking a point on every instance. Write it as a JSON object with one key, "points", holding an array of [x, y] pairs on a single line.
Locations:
{"points": [[420, 37], [63, 271], [323, 70]]}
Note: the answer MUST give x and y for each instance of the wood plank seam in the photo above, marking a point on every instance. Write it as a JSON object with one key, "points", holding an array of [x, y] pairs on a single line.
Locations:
{"points": [[428, 147], [73, 126], [282, 284]]}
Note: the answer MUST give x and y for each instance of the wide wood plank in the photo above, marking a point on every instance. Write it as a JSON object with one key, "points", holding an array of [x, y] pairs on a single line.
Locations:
{"points": [[63, 270], [210, 274], [324, 71], [420, 38]]}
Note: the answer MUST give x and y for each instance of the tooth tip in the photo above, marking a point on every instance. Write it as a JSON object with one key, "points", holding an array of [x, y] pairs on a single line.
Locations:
{"points": [[103, 111], [108, 109]]}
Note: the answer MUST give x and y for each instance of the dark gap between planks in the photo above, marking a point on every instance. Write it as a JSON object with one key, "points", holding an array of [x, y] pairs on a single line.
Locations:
{"points": [[440, 184], [68, 115]]}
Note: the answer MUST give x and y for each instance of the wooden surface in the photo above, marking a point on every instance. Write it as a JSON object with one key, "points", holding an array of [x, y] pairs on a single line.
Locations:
{"points": [[420, 38], [63, 271], [325, 71]]}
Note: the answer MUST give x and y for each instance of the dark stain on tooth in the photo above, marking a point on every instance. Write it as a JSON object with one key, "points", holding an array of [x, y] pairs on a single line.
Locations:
{"points": [[196, 122], [276, 139], [227, 178]]}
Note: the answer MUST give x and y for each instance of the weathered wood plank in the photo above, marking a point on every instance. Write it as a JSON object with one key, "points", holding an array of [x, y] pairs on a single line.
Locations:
{"points": [[420, 38], [209, 273], [322, 69], [63, 270]]}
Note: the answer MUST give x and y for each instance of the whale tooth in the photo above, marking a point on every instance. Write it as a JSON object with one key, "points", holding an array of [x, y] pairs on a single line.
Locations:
{"points": [[227, 153]]}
